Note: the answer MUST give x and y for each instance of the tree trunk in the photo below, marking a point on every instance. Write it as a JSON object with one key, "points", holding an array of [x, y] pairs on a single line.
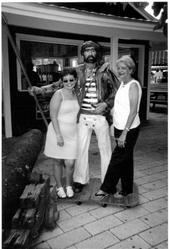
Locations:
{"points": [[16, 169]]}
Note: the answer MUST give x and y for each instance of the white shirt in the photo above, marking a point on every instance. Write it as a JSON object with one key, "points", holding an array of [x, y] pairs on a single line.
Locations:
{"points": [[121, 107]]}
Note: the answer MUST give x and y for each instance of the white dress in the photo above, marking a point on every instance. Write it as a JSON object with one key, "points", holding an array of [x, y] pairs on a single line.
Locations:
{"points": [[67, 118]]}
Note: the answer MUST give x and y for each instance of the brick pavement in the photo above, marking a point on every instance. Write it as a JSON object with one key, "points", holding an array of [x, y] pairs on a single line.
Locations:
{"points": [[90, 226]]}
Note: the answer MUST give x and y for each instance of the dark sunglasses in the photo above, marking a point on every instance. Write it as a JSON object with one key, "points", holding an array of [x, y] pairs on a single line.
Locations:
{"points": [[65, 81]]}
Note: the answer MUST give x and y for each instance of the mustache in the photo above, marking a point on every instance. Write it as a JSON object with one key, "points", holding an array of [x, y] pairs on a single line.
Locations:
{"points": [[90, 57]]}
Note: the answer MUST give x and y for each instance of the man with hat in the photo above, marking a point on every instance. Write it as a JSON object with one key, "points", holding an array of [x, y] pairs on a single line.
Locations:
{"points": [[96, 89]]}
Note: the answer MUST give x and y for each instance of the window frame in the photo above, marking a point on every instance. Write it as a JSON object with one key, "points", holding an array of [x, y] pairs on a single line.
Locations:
{"points": [[45, 39]]}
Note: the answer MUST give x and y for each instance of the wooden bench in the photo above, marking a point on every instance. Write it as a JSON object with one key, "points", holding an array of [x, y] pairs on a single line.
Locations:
{"points": [[158, 95], [158, 101]]}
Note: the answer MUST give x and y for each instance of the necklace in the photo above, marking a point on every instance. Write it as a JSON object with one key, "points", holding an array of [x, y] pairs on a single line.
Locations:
{"points": [[90, 72]]}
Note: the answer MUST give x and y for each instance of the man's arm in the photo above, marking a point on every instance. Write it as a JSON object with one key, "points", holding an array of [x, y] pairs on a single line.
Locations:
{"points": [[113, 85], [45, 90]]}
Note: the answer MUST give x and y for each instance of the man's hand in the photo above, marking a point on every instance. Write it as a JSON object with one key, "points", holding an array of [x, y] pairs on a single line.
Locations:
{"points": [[100, 107], [104, 67], [35, 90]]}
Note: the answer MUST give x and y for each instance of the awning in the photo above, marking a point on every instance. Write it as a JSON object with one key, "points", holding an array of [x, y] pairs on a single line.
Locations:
{"points": [[159, 67], [160, 58]]}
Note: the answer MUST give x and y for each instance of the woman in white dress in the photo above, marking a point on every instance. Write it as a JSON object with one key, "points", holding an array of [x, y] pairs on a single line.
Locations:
{"points": [[61, 138]]}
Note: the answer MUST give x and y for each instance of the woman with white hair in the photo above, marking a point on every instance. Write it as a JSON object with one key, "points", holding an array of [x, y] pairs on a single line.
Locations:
{"points": [[126, 123]]}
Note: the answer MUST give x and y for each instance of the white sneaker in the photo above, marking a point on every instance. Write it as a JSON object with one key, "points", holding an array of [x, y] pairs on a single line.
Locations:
{"points": [[69, 192], [61, 193]]}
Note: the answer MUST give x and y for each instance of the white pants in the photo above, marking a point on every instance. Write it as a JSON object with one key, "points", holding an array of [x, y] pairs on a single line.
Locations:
{"points": [[87, 123]]}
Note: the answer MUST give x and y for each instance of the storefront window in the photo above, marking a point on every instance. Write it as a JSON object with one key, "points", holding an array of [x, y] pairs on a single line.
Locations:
{"points": [[43, 61], [106, 53], [135, 51]]}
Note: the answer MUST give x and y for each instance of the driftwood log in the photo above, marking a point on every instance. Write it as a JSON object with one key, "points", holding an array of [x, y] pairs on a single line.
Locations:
{"points": [[37, 207], [16, 169]]}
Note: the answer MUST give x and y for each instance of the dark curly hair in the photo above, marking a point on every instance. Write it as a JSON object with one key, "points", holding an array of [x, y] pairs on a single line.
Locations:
{"points": [[69, 70]]}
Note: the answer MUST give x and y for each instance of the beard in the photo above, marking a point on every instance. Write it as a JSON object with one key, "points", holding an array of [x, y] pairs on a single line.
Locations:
{"points": [[90, 59]]}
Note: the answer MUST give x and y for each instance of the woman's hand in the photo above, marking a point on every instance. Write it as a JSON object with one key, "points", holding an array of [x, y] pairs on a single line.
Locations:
{"points": [[122, 139], [60, 140]]}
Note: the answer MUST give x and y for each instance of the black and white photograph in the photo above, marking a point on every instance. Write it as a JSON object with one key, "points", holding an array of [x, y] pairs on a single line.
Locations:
{"points": [[84, 125]]}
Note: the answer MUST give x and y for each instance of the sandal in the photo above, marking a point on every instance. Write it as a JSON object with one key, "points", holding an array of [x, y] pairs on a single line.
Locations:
{"points": [[100, 193], [69, 192], [120, 194], [61, 193]]}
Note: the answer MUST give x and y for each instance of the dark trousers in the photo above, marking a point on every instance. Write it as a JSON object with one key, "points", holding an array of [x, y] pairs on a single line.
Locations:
{"points": [[121, 165]]}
